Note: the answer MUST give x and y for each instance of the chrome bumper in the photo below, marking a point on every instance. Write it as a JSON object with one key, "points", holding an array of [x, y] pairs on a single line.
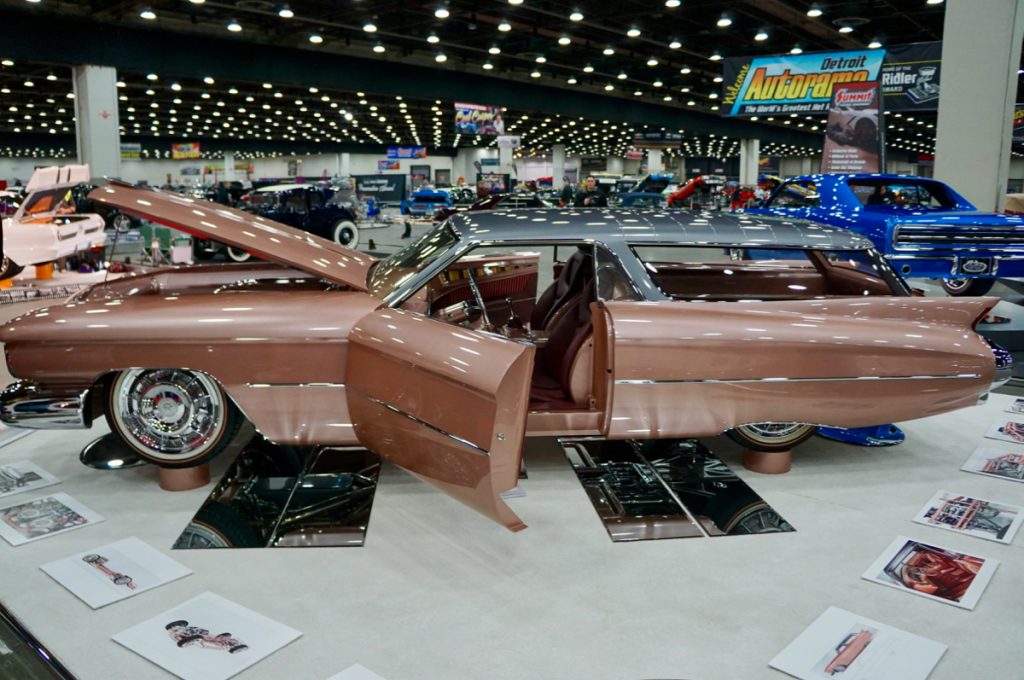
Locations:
{"points": [[1004, 365], [25, 404]]}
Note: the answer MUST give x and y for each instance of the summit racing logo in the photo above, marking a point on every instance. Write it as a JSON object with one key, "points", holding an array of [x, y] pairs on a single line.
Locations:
{"points": [[855, 98]]}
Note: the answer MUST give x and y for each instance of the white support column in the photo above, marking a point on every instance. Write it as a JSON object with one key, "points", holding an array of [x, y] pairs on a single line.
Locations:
{"points": [[229, 167], [97, 128], [614, 164], [750, 151], [654, 164], [980, 57], [505, 162], [345, 164], [557, 165]]}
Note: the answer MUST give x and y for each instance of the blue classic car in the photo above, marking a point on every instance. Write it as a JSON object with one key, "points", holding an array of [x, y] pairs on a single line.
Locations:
{"points": [[425, 202], [921, 225]]}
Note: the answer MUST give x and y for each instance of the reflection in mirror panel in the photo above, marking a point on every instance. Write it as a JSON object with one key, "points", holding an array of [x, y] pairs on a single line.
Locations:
{"points": [[278, 496], [22, 656], [667, 489]]}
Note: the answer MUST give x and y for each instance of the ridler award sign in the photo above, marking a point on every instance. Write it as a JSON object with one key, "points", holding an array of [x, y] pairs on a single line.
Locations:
{"points": [[853, 136]]}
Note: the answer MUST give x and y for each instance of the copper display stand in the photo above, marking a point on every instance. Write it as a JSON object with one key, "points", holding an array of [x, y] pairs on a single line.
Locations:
{"points": [[184, 479], [768, 463]]}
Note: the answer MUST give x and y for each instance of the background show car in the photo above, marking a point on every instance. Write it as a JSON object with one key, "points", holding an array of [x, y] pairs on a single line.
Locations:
{"points": [[307, 207], [491, 327], [924, 227], [47, 225], [505, 201], [425, 202]]}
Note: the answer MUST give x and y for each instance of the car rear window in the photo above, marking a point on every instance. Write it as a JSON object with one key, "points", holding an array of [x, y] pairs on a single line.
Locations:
{"points": [[882, 193], [733, 274]]}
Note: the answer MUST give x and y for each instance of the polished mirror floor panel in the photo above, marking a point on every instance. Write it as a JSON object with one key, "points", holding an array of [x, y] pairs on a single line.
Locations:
{"points": [[667, 489], [288, 497]]}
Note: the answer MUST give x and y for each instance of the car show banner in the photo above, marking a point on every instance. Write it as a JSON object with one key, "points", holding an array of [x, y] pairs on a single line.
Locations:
{"points": [[384, 188], [488, 183], [1018, 123], [478, 119], [131, 150], [657, 139], [853, 137], [800, 83], [407, 152], [910, 77], [388, 165], [185, 150], [509, 141]]}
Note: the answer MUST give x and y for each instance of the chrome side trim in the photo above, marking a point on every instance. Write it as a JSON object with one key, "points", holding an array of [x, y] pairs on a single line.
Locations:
{"points": [[312, 384], [427, 425], [24, 404], [779, 380]]}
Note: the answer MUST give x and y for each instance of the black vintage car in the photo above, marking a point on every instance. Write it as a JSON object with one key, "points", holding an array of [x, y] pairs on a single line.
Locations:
{"points": [[309, 207]]}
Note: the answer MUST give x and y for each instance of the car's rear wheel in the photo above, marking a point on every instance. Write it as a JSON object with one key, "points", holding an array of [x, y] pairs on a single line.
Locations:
{"points": [[771, 436], [238, 255], [8, 270], [967, 287], [171, 417], [346, 233], [121, 222], [204, 249]]}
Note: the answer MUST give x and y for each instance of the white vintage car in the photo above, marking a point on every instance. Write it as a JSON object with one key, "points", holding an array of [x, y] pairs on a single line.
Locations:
{"points": [[47, 226]]}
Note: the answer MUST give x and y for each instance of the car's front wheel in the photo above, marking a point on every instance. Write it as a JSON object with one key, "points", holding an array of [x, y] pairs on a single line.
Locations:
{"points": [[171, 417], [121, 222], [238, 255], [346, 233], [8, 270], [771, 436], [967, 287]]}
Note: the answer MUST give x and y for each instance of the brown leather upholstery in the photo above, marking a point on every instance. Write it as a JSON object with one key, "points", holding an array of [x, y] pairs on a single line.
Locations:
{"points": [[578, 270], [567, 336]]}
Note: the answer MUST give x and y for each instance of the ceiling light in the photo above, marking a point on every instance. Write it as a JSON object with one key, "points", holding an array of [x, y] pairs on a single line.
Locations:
{"points": [[515, 2], [715, 57], [197, 2], [316, 38], [633, 32], [718, 79], [504, 27], [652, 62], [846, 29], [442, 13], [675, 45], [433, 39], [379, 49], [120, 83], [638, 93], [576, 16], [875, 44], [535, 74], [724, 21], [622, 76], [370, 27], [761, 35], [933, 2], [152, 76], [814, 12], [564, 40], [488, 66], [657, 83], [208, 80], [29, 83], [609, 87], [147, 14], [234, 26], [672, 4], [440, 58], [51, 77], [685, 70], [572, 81], [796, 50], [494, 49], [588, 69], [176, 87], [285, 12]]}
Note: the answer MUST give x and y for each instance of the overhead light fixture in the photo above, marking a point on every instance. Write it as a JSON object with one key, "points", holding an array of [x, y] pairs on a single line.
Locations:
{"points": [[370, 27], [442, 13], [572, 80], [440, 58], [176, 87], [488, 66], [285, 12], [535, 74], [504, 27], [814, 11], [638, 93], [622, 76], [761, 35], [197, 2], [657, 83], [494, 49], [433, 39], [541, 59], [576, 16], [208, 80], [588, 69], [7, 62], [796, 50], [846, 29], [234, 26], [718, 79], [874, 44], [29, 83], [515, 2], [152, 76], [148, 14], [724, 21], [564, 40], [675, 45], [686, 70], [316, 38], [933, 2], [672, 4], [609, 87], [633, 32], [608, 51], [652, 62], [715, 57], [51, 76]]}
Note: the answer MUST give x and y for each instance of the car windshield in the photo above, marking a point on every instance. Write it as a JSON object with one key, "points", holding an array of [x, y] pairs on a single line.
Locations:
{"points": [[882, 194], [391, 273]]}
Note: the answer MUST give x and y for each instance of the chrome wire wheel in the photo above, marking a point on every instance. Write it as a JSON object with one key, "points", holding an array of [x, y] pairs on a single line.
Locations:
{"points": [[171, 417], [771, 436], [238, 255], [955, 286]]}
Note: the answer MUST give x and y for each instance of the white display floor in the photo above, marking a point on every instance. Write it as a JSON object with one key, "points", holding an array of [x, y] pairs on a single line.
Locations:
{"points": [[440, 593]]}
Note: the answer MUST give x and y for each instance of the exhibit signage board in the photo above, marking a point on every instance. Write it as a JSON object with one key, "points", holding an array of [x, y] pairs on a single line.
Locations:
{"points": [[488, 183], [657, 139], [419, 174], [509, 141], [1018, 123], [131, 150], [384, 188], [407, 152], [853, 135], [478, 119], [185, 150], [389, 165], [910, 77]]}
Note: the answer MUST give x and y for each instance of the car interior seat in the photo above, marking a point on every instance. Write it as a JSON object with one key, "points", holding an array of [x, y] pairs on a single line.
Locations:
{"points": [[578, 270]]}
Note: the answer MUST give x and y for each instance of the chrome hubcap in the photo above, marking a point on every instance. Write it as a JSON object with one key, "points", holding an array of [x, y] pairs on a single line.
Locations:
{"points": [[774, 430], [956, 284]]}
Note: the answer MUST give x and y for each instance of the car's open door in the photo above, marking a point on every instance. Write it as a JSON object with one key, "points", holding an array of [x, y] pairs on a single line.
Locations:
{"points": [[445, 403]]}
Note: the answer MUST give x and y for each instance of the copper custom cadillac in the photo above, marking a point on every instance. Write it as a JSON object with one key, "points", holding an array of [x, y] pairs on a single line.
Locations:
{"points": [[495, 326]]}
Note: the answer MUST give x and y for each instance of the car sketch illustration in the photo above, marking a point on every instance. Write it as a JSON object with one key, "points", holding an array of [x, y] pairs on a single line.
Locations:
{"points": [[12, 478], [848, 650], [185, 635], [42, 516], [100, 563]]}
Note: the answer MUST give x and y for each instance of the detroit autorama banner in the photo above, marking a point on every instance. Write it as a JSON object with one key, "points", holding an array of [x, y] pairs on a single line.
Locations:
{"points": [[853, 137]]}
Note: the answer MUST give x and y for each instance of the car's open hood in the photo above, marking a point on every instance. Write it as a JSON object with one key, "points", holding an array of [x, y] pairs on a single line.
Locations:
{"points": [[264, 238]]}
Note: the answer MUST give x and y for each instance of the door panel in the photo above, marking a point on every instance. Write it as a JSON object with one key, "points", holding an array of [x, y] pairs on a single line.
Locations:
{"points": [[696, 369], [442, 402]]}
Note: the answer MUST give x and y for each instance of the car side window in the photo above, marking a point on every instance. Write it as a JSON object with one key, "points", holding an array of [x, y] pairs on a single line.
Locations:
{"points": [[316, 200], [295, 202], [796, 194]]}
